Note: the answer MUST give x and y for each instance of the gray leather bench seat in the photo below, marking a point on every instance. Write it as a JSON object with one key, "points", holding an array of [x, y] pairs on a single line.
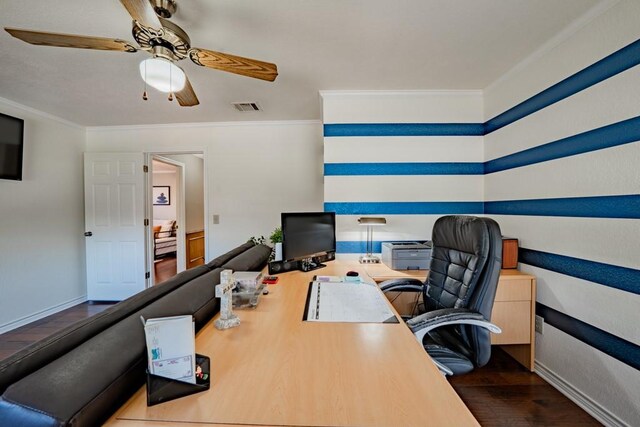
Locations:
{"points": [[89, 382], [42, 352], [81, 375]]}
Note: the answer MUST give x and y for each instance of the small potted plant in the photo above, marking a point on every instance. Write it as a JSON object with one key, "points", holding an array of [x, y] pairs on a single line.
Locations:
{"points": [[276, 239]]}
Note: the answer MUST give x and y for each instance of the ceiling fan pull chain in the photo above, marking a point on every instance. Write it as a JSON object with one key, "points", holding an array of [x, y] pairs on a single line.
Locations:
{"points": [[170, 86], [144, 94]]}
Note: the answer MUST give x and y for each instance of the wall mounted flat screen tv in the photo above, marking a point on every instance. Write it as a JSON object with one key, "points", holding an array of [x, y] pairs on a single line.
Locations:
{"points": [[11, 144], [308, 234]]}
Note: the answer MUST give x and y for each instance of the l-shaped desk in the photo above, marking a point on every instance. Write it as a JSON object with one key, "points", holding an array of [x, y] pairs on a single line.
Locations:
{"points": [[276, 370]]}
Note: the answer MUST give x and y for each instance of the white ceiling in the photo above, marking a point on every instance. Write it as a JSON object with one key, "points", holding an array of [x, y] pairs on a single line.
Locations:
{"points": [[317, 45]]}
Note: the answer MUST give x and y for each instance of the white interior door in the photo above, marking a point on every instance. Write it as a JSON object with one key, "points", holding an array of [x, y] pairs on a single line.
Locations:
{"points": [[114, 225]]}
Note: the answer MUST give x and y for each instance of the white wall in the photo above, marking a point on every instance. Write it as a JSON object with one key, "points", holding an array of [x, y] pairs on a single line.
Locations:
{"points": [[607, 383], [380, 107], [194, 190], [253, 171], [42, 255], [166, 179]]}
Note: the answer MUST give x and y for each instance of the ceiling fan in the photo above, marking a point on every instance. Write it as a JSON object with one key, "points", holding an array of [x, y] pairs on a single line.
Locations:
{"points": [[167, 42]]}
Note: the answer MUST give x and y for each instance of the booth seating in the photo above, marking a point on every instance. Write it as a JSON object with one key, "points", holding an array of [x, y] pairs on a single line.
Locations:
{"points": [[80, 375]]}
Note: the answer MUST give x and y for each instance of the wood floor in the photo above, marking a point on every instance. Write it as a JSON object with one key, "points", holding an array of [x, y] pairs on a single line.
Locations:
{"points": [[19, 338], [500, 394], [503, 393], [165, 268]]}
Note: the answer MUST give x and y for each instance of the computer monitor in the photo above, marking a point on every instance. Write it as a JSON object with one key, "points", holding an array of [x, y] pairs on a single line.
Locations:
{"points": [[307, 235]]}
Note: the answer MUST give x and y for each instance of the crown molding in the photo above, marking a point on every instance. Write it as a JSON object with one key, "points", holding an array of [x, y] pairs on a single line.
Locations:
{"points": [[41, 114], [587, 17], [203, 125], [443, 92]]}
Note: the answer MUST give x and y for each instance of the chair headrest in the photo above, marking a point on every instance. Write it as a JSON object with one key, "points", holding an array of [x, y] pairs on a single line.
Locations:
{"points": [[464, 233]]}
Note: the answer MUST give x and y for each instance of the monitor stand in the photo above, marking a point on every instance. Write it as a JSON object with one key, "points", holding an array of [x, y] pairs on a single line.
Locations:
{"points": [[310, 264]]}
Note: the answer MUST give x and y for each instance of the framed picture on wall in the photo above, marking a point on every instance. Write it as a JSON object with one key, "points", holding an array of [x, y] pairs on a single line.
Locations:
{"points": [[161, 195]]}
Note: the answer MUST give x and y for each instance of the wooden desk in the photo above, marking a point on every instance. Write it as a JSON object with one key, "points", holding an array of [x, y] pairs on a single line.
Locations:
{"points": [[275, 369], [513, 309]]}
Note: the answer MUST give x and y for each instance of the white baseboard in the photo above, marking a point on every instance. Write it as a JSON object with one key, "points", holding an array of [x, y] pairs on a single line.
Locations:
{"points": [[41, 314], [594, 409]]}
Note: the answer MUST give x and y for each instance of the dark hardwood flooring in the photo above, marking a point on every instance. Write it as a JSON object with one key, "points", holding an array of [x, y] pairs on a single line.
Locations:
{"points": [[19, 338], [165, 268], [502, 393]]}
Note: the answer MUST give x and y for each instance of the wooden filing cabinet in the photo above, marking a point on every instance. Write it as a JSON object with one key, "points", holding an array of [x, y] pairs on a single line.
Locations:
{"points": [[513, 309], [195, 249]]}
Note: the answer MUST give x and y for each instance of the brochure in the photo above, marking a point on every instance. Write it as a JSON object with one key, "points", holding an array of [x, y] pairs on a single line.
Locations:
{"points": [[171, 347]]}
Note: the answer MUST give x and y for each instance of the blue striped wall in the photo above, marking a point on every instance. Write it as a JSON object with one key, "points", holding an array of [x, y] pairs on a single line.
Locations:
{"points": [[404, 129], [612, 135], [616, 63], [441, 168], [625, 279], [404, 208], [616, 347], [602, 209]]}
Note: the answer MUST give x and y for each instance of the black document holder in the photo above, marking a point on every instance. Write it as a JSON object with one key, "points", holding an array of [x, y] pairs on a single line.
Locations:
{"points": [[161, 389]]}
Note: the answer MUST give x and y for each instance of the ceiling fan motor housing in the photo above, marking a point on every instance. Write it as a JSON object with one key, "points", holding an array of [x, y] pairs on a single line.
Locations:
{"points": [[174, 41], [164, 8]]}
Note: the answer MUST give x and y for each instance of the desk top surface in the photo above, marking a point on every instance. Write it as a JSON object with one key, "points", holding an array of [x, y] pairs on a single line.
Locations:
{"points": [[380, 273], [275, 369]]}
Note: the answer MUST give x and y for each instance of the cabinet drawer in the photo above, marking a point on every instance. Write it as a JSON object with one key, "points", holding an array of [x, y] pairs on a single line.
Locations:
{"points": [[514, 318], [514, 290]]}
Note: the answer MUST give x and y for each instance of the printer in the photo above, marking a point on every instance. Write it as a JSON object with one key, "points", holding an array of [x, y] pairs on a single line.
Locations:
{"points": [[406, 255]]}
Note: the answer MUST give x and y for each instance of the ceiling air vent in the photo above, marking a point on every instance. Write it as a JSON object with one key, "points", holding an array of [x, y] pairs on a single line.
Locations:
{"points": [[247, 106]]}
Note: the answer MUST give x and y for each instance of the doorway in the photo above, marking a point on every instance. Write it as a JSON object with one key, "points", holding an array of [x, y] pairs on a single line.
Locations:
{"points": [[176, 212]]}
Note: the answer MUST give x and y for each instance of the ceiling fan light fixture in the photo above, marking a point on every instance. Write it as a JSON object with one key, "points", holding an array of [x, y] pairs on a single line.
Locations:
{"points": [[162, 75]]}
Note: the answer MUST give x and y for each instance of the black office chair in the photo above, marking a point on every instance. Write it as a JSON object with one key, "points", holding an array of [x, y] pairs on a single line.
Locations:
{"points": [[458, 295]]}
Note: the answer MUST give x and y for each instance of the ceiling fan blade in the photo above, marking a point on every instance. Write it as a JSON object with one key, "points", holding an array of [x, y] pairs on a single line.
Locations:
{"points": [[70, 40], [187, 97], [234, 64], [142, 12]]}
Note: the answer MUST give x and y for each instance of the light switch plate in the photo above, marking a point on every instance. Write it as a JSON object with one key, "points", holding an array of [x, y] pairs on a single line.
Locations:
{"points": [[216, 219]]}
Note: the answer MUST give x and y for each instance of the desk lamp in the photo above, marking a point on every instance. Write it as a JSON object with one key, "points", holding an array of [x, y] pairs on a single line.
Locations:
{"points": [[370, 222]]}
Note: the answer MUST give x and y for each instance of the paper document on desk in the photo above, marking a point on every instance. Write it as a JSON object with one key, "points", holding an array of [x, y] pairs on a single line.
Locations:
{"points": [[337, 279], [171, 347], [347, 302]]}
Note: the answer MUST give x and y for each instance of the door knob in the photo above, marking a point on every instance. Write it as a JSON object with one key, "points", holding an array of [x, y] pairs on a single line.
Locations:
{"points": [[88, 234]]}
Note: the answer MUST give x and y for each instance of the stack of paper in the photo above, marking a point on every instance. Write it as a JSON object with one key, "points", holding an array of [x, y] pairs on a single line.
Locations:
{"points": [[171, 347], [338, 279], [347, 302]]}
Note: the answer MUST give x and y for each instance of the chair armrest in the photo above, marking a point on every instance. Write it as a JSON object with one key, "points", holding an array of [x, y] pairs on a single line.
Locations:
{"points": [[422, 324], [444, 370], [402, 285]]}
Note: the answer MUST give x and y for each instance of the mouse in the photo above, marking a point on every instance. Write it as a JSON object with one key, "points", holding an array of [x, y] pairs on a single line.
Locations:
{"points": [[352, 273]]}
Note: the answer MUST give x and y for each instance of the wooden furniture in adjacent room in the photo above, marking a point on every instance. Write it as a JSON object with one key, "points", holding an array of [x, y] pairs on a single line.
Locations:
{"points": [[165, 239], [195, 248], [513, 309], [275, 369]]}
